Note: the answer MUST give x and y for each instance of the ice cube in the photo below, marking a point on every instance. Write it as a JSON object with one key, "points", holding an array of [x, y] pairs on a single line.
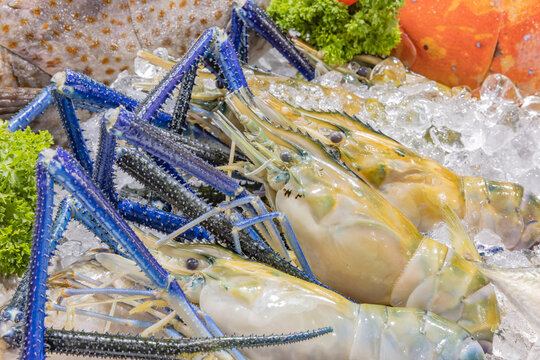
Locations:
{"points": [[530, 180], [488, 238], [497, 87], [497, 137], [515, 336], [508, 259], [145, 69], [161, 52], [390, 70], [448, 139], [531, 104], [331, 79], [473, 138]]}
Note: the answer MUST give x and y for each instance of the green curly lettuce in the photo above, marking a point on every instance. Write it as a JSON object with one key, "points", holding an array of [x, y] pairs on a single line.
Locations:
{"points": [[18, 156], [341, 31]]}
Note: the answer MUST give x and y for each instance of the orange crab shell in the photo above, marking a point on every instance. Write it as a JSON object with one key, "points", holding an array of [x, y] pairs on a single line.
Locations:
{"points": [[460, 42]]}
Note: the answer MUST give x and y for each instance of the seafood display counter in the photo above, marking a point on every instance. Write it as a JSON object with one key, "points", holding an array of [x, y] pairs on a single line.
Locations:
{"points": [[238, 193]]}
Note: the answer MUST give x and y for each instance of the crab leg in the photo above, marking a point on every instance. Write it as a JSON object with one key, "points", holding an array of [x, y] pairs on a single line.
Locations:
{"points": [[80, 214], [103, 172], [181, 106], [102, 175], [126, 126], [214, 44], [239, 35]]}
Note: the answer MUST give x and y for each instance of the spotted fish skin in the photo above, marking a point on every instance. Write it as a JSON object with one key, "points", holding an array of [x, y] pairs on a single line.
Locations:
{"points": [[99, 38]]}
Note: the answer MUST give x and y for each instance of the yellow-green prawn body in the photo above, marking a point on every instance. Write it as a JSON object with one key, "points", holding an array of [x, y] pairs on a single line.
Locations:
{"points": [[354, 240], [242, 296], [419, 187]]}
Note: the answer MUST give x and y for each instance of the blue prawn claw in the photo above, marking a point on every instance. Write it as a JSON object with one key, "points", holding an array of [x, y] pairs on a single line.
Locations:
{"points": [[249, 13], [33, 346], [61, 167]]}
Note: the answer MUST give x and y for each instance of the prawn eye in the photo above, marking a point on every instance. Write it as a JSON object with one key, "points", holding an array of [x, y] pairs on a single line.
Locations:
{"points": [[219, 84], [286, 156], [192, 263], [336, 137]]}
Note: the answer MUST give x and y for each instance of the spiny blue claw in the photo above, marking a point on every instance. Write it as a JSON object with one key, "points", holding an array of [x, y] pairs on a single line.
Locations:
{"points": [[257, 18], [14, 311], [151, 104], [136, 347], [213, 45], [225, 56], [66, 172], [24, 117], [160, 220], [63, 216], [71, 125], [80, 214], [103, 171], [239, 36], [33, 345], [125, 125], [182, 102], [93, 95], [82, 88]]}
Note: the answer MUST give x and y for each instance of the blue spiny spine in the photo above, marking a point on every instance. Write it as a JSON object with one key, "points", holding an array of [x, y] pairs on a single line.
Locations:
{"points": [[157, 97], [151, 140], [239, 36], [33, 110], [93, 95]]}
